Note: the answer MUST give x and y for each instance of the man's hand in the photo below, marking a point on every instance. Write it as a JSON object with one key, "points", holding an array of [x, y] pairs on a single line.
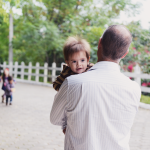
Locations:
{"points": [[64, 130]]}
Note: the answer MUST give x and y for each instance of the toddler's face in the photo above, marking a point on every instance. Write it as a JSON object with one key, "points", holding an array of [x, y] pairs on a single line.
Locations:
{"points": [[78, 62], [11, 81]]}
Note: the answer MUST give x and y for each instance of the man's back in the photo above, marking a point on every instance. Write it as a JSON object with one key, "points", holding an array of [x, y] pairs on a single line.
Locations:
{"points": [[98, 107], [101, 106]]}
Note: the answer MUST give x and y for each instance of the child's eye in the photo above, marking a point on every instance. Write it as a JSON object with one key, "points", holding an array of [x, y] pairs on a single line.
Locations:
{"points": [[74, 62], [82, 60]]}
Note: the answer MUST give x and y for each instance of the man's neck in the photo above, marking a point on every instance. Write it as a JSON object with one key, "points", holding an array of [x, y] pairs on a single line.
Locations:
{"points": [[110, 60]]}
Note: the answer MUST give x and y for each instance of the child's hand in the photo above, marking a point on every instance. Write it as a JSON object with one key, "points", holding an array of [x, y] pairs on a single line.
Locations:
{"points": [[12, 89], [64, 130]]}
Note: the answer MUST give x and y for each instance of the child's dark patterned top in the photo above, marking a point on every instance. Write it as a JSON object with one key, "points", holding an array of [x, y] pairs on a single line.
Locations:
{"points": [[66, 72]]}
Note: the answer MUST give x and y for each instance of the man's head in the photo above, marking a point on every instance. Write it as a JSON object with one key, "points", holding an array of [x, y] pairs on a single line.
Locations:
{"points": [[77, 54], [114, 43]]}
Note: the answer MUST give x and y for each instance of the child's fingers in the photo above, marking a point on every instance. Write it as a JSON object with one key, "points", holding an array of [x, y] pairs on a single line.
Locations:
{"points": [[64, 130]]}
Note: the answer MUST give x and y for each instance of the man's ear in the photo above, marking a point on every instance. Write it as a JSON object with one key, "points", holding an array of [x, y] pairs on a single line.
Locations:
{"points": [[99, 43], [99, 51], [125, 54]]}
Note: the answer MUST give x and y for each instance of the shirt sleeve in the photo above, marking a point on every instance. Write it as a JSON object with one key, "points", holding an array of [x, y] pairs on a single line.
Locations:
{"points": [[58, 112], [137, 93]]}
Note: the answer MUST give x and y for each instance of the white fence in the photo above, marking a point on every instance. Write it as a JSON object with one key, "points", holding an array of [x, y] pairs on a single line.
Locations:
{"points": [[138, 75], [37, 71], [49, 73]]}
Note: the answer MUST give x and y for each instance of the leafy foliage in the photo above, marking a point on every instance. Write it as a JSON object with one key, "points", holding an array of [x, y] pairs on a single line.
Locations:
{"points": [[140, 48], [4, 40], [145, 99], [40, 32]]}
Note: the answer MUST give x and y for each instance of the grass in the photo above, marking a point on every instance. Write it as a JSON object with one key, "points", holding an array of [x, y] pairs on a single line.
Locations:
{"points": [[145, 99]]}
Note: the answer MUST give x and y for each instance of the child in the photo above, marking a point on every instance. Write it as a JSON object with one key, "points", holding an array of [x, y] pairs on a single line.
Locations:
{"points": [[9, 89], [4, 78], [77, 56]]}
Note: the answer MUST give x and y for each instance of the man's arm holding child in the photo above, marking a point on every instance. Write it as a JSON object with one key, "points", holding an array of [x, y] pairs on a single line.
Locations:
{"points": [[59, 108]]}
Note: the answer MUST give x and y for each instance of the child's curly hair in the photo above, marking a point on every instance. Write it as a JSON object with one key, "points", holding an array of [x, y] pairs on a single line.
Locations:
{"points": [[75, 44]]}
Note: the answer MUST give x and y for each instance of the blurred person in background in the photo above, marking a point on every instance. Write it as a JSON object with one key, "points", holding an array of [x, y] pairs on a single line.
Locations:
{"points": [[9, 89], [4, 80]]}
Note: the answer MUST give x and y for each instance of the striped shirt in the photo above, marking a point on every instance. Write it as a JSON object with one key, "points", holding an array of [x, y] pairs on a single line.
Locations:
{"points": [[98, 107], [66, 72]]}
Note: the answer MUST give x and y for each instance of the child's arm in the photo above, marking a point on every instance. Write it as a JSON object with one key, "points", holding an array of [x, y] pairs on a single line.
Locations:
{"points": [[89, 66], [66, 72]]}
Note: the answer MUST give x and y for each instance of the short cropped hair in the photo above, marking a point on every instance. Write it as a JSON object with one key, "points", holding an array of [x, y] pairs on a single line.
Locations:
{"points": [[10, 78], [114, 43], [75, 44]]}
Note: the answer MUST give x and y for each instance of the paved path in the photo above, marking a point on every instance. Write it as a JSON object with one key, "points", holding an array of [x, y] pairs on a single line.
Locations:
{"points": [[25, 125]]}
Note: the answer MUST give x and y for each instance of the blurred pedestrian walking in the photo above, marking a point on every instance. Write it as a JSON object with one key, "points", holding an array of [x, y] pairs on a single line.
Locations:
{"points": [[9, 89], [4, 80]]}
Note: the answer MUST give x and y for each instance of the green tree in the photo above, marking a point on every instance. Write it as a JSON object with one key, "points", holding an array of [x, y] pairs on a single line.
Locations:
{"points": [[4, 40], [5, 6], [40, 32], [140, 48]]}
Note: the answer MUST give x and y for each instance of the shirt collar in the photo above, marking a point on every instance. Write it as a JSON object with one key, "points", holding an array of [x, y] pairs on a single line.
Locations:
{"points": [[106, 65]]}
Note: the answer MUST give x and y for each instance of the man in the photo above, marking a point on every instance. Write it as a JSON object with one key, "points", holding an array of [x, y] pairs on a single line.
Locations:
{"points": [[99, 105]]}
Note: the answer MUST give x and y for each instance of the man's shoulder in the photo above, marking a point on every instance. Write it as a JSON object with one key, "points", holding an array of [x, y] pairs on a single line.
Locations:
{"points": [[103, 77], [131, 84], [78, 78], [134, 89], [136, 86]]}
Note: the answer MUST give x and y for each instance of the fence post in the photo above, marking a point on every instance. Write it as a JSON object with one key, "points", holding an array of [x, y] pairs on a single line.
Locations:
{"points": [[11, 68], [137, 70], [30, 71], [4, 65], [37, 72], [45, 72], [22, 70], [62, 65], [15, 69], [53, 71]]}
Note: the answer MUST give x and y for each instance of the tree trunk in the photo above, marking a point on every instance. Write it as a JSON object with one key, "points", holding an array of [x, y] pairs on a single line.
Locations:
{"points": [[10, 38]]}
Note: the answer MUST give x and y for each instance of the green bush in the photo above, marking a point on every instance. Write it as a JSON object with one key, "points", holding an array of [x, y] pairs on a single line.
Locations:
{"points": [[145, 99]]}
